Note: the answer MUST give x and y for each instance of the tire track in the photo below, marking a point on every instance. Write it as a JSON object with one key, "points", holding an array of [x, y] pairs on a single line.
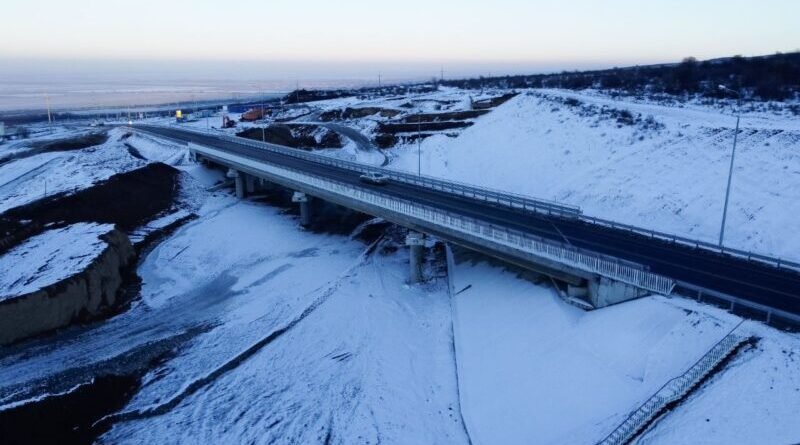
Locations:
{"points": [[195, 386]]}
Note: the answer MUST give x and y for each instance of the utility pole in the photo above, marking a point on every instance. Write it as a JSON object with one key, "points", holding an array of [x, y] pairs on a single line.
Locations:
{"points": [[263, 128], [419, 145], [47, 101], [733, 157], [441, 75]]}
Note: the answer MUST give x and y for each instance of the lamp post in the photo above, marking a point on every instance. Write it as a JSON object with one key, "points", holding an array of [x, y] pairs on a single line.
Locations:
{"points": [[419, 145], [733, 156]]}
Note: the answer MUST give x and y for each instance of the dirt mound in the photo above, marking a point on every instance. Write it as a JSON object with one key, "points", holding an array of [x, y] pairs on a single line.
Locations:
{"points": [[307, 137], [65, 144], [357, 113], [443, 117], [76, 143], [426, 126], [128, 200], [493, 102]]}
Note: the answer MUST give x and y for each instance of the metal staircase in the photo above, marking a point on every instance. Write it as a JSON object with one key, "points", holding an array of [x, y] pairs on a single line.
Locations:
{"points": [[674, 390]]}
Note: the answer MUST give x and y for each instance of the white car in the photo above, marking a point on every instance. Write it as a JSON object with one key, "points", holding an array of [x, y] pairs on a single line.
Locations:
{"points": [[374, 178]]}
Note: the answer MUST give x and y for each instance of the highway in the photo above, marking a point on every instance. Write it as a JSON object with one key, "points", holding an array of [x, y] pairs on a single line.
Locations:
{"points": [[748, 280]]}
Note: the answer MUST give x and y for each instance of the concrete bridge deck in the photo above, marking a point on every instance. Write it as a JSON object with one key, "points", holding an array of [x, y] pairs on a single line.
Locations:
{"points": [[570, 246]]}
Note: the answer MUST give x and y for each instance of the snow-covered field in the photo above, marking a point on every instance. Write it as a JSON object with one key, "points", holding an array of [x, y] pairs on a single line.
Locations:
{"points": [[533, 369], [669, 177], [351, 353]]}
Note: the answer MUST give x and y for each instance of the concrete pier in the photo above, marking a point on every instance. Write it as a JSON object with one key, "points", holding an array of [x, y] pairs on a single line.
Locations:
{"points": [[238, 177], [249, 184], [305, 207], [416, 248]]}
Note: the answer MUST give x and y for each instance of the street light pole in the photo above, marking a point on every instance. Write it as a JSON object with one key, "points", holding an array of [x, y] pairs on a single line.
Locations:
{"points": [[419, 145], [263, 128], [733, 157]]}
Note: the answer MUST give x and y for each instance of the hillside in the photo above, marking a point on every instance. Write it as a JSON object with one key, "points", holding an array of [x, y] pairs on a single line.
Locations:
{"points": [[656, 166]]}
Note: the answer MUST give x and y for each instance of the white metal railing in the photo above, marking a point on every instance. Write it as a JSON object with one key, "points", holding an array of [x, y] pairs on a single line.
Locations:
{"points": [[505, 198], [779, 263], [673, 391], [523, 243]]}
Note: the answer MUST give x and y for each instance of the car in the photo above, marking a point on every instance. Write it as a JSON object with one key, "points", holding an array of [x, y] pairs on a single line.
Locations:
{"points": [[374, 178]]}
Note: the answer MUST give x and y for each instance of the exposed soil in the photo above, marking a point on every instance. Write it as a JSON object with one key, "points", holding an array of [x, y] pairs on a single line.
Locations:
{"points": [[68, 418], [65, 144], [128, 200], [302, 136], [395, 128], [441, 117], [357, 113], [493, 102], [74, 416]]}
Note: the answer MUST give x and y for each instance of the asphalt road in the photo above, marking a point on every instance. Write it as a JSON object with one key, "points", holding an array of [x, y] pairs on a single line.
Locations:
{"points": [[362, 142], [753, 281]]}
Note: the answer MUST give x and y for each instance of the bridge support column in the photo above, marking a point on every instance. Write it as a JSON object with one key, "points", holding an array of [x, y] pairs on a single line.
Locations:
{"points": [[305, 207], [605, 292], [249, 184], [239, 178], [416, 248]]}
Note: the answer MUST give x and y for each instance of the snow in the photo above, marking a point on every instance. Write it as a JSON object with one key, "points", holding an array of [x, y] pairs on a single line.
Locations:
{"points": [[670, 179], [533, 369], [25, 180], [265, 333], [371, 363], [756, 400], [50, 257]]}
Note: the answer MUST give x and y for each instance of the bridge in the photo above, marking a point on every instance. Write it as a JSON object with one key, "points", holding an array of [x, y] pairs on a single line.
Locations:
{"points": [[600, 261]]}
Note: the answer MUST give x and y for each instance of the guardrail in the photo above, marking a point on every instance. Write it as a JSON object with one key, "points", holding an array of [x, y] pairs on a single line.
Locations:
{"points": [[765, 259], [512, 200], [673, 390], [504, 198], [524, 243]]}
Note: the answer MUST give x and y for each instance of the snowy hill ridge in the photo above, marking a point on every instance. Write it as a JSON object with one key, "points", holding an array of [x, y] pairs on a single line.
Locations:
{"points": [[654, 166]]}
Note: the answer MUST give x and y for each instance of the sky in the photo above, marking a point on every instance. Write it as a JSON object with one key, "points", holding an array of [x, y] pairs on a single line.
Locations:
{"points": [[357, 39]]}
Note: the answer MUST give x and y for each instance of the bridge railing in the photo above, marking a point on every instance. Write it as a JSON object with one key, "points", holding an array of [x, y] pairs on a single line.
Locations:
{"points": [[697, 244], [508, 199], [525, 243], [486, 194]]}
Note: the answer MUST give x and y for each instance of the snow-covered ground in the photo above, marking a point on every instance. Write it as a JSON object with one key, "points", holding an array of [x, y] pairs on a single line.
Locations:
{"points": [[31, 178], [343, 349], [267, 333], [323, 339], [533, 369], [669, 177], [48, 258]]}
